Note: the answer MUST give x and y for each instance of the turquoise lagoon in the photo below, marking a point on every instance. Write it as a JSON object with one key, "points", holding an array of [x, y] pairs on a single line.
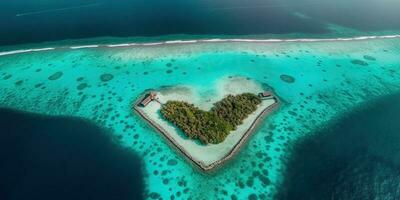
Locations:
{"points": [[317, 81]]}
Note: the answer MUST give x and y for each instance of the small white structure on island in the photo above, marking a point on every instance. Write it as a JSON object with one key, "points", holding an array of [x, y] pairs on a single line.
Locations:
{"points": [[148, 98], [265, 95]]}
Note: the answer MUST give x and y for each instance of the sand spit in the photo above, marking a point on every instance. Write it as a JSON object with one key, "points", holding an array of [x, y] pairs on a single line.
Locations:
{"points": [[208, 156]]}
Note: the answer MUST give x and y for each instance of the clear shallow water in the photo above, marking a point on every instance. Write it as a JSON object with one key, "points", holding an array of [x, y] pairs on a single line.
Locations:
{"points": [[30, 21], [100, 84]]}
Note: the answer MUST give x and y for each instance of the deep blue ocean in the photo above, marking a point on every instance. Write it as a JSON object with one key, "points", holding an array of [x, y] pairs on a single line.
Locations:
{"points": [[355, 158], [28, 21], [63, 158]]}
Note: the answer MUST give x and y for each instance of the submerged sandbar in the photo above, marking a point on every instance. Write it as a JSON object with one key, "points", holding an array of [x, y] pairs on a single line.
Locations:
{"points": [[211, 155]]}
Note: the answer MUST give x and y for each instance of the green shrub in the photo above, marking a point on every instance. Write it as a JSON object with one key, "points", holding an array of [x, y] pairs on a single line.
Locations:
{"points": [[234, 109], [210, 126]]}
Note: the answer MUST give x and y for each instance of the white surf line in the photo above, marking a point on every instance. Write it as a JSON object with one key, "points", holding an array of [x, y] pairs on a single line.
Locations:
{"points": [[149, 44], [84, 46], [118, 45], [14, 52], [43, 49], [58, 9], [215, 40], [25, 51], [180, 41]]}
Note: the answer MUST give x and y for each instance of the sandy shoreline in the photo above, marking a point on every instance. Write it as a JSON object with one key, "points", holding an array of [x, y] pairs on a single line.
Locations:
{"points": [[199, 41], [209, 156]]}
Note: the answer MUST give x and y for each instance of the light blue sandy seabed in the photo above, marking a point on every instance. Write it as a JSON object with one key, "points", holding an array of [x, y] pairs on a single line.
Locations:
{"points": [[100, 84]]}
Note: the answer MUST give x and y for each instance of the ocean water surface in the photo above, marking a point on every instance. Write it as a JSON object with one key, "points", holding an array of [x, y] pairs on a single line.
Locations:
{"points": [[30, 21], [317, 82], [355, 157], [70, 71], [63, 158]]}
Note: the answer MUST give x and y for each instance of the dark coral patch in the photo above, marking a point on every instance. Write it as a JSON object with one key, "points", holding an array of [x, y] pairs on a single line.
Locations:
{"points": [[106, 77], [154, 195], [18, 83], [7, 76], [169, 71], [82, 86], [292, 113], [252, 197], [55, 76], [165, 181], [234, 197], [172, 162], [38, 85], [264, 180], [287, 78], [366, 57], [359, 62]]}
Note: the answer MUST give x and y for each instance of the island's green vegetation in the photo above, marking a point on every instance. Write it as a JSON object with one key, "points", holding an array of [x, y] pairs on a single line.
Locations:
{"points": [[211, 126]]}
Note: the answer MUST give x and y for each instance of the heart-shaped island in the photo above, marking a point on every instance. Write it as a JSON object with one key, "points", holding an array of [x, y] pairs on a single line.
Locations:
{"points": [[207, 126]]}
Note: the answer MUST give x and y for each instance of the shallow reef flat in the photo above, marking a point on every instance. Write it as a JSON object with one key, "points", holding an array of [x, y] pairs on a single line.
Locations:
{"points": [[316, 82]]}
